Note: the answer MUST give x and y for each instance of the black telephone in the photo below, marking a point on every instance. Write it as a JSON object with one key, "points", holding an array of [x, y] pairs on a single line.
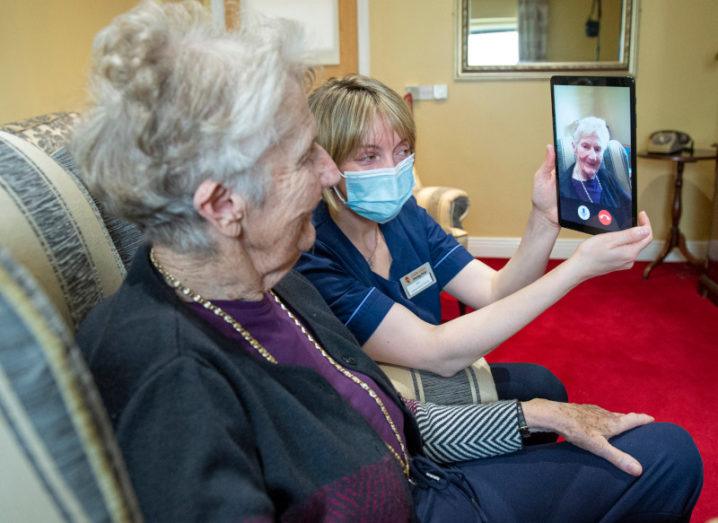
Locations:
{"points": [[669, 142]]}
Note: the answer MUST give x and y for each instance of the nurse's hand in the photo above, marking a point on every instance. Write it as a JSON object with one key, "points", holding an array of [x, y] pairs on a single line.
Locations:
{"points": [[544, 190], [612, 251]]}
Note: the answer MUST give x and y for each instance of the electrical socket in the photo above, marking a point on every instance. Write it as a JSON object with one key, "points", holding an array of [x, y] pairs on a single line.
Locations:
{"points": [[428, 91]]}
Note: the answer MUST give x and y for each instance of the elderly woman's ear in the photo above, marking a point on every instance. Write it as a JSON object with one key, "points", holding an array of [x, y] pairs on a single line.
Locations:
{"points": [[220, 206]]}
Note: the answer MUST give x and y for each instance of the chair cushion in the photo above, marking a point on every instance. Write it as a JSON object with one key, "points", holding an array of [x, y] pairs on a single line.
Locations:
{"points": [[126, 236], [565, 154], [52, 227], [49, 132], [60, 461], [616, 161], [447, 205], [475, 384]]}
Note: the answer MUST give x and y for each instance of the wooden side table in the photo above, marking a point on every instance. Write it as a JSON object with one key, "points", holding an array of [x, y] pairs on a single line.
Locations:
{"points": [[676, 238], [708, 281]]}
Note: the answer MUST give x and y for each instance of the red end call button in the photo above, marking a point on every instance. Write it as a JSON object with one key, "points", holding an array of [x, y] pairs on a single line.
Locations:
{"points": [[605, 217]]}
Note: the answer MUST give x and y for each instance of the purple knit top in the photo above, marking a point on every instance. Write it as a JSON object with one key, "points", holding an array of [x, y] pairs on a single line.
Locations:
{"points": [[590, 190], [275, 330]]}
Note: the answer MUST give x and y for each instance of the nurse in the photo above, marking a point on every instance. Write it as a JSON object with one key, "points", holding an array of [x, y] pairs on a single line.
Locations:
{"points": [[380, 260]]}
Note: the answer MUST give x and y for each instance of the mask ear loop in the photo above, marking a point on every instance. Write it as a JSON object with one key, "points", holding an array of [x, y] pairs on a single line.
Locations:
{"points": [[339, 195]]}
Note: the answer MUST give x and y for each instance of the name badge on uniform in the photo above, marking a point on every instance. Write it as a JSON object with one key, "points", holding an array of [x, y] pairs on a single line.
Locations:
{"points": [[418, 280]]}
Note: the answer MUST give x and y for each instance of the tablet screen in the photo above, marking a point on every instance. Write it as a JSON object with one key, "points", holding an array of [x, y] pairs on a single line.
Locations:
{"points": [[594, 136]]}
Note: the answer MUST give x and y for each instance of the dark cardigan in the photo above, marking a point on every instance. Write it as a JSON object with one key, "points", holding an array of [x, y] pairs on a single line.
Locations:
{"points": [[209, 433]]}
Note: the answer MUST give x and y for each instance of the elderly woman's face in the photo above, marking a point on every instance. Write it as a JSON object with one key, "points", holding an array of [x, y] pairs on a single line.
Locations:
{"points": [[589, 154], [279, 229]]}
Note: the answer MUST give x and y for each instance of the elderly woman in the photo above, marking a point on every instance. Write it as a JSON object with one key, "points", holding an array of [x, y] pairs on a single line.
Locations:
{"points": [[588, 180], [235, 393]]}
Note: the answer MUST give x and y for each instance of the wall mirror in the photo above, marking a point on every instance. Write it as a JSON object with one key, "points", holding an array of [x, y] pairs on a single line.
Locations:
{"points": [[500, 39]]}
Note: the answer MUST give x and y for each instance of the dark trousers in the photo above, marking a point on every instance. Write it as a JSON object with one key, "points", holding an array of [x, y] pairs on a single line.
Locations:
{"points": [[559, 482], [526, 381]]}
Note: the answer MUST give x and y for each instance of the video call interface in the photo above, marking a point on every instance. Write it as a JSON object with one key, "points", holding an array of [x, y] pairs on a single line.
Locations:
{"points": [[593, 132]]}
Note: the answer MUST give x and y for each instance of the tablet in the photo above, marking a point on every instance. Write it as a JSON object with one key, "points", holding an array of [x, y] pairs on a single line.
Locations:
{"points": [[594, 131]]}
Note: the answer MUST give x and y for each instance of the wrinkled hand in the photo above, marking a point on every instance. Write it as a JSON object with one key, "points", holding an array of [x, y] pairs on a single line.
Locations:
{"points": [[589, 427], [613, 251], [544, 190]]}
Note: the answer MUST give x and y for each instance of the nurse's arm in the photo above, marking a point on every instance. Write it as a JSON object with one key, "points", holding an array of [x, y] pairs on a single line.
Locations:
{"points": [[478, 285], [404, 339]]}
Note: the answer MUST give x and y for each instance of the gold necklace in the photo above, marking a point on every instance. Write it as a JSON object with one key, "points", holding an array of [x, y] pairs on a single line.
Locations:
{"points": [[218, 311], [197, 298], [583, 184], [403, 461]]}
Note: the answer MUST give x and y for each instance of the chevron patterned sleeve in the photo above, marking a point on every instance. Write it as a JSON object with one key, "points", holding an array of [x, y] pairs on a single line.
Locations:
{"points": [[463, 432]]}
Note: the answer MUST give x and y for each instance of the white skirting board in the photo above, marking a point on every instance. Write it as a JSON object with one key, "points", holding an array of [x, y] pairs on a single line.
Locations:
{"points": [[504, 247]]}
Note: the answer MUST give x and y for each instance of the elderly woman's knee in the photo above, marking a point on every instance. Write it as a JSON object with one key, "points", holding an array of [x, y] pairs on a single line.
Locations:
{"points": [[526, 381], [555, 390], [542, 383], [664, 449]]}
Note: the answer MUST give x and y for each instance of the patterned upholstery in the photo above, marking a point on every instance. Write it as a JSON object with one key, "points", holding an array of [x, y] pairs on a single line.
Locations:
{"points": [[447, 205], [49, 132], [125, 236], [60, 461], [474, 384], [51, 224]]}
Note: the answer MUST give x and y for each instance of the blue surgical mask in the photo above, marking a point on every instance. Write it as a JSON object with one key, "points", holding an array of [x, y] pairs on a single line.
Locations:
{"points": [[378, 195]]}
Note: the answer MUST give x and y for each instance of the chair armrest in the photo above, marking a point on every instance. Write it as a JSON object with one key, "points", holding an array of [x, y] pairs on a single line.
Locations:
{"points": [[447, 205], [474, 384], [615, 159]]}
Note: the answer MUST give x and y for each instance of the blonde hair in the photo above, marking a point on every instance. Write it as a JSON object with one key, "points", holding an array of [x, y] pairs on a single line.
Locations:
{"points": [[345, 110], [176, 101]]}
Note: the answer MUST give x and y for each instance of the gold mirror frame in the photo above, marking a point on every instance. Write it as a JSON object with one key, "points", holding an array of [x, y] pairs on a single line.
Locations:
{"points": [[627, 64]]}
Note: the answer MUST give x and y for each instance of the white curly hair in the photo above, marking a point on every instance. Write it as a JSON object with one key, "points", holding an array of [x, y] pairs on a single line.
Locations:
{"points": [[177, 100], [592, 125]]}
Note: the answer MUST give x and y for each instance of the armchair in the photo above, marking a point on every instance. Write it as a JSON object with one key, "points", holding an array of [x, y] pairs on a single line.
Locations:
{"points": [[60, 254], [60, 459], [447, 205]]}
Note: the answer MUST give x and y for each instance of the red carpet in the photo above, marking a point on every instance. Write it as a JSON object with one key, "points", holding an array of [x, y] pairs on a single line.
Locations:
{"points": [[630, 344]]}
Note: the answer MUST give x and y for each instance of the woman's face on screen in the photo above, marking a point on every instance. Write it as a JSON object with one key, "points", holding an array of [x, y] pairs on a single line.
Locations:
{"points": [[589, 154]]}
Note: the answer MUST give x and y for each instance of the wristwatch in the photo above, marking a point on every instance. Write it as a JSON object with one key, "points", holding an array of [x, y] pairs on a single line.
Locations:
{"points": [[523, 427]]}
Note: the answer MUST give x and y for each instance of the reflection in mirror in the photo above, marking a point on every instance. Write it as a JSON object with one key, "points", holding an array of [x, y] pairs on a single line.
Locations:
{"points": [[545, 35]]}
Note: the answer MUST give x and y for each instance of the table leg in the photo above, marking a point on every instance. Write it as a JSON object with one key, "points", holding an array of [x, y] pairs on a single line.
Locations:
{"points": [[669, 246], [676, 238], [686, 253]]}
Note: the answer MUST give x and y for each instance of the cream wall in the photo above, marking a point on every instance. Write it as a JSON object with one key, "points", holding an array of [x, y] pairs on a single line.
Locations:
{"points": [[489, 136], [45, 52], [567, 40]]}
